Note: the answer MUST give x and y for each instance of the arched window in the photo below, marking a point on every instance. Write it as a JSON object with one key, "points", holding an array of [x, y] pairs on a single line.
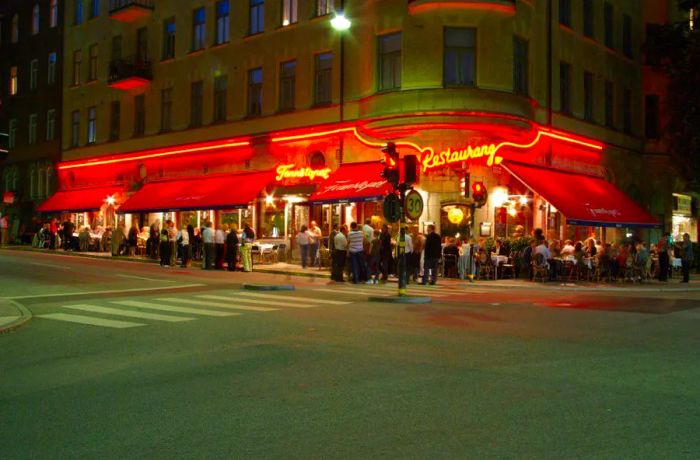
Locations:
{"points": [[14, 33], [317, 160], [53, 13], [49, 178], [35, 19]]}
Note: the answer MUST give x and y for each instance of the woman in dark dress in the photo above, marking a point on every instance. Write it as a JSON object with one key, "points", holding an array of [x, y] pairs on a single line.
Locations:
{"points": [[232, 248]]}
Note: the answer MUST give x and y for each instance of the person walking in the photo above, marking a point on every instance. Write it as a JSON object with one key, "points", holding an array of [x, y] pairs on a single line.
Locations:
{"points": [[303, 241], [385, 256], [356, 248], [183, 238], [315, 243], [374, 258], [686, 257], [662, 252], [339, 254], [232, 248], [220, 241], [433, 249], [165, 248], [407, 255], [247, 248], [208, 250]]}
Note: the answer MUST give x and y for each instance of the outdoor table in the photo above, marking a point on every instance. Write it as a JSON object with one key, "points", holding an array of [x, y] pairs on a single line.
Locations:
{"points": [[497, 260]]}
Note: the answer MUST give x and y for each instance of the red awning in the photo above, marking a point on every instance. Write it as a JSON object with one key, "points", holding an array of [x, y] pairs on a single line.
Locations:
{"points": [[217, 192], [80, 200], [582, 199], [353, 182]]}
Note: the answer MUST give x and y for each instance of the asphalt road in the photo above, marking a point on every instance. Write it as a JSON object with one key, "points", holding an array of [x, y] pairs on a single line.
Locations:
{"points": [[128, 360]]}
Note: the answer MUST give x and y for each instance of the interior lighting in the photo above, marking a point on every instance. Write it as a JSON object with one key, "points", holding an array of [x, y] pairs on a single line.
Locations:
{"points": [[499, 196], [340, 21], [523, 200], [110, 200], [269, 200]]}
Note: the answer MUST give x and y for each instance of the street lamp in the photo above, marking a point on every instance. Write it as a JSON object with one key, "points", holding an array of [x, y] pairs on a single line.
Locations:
{"points": [[341, 23]]}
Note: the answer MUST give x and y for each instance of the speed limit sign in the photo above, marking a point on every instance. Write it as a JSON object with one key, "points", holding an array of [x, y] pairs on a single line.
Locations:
{"points": [[414, 205]]}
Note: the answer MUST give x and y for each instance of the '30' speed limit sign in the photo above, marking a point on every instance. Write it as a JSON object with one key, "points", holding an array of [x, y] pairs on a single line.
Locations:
{"points": [[414, 205]]}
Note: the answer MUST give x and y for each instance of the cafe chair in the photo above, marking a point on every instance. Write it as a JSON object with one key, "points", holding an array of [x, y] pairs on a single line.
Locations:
{"points": [[506, 269], [269, 255], [485, 266], [281, 252], [540, 268]]}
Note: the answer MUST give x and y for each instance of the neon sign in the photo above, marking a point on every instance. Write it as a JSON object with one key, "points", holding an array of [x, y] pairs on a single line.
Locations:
{"points": [[432, 160], [288, 172]]}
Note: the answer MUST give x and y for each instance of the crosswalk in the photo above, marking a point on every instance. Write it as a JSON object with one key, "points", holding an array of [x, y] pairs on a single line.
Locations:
{"points": [[386, 290]]}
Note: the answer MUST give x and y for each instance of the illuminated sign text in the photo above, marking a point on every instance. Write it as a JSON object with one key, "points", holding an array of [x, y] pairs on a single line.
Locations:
{"points": [[288, 172]]}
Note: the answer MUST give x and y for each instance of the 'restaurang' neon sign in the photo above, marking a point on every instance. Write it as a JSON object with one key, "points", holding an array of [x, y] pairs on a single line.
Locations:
{"points": [[288, 172], [432, 160]]}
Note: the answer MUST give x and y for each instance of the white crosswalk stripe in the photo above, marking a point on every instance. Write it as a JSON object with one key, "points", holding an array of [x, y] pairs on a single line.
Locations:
{"points": [[90, 320], [289, 297], [205, 303], [174, 309], [353, 291], [128, 313], [380, 290], [268, 303]]}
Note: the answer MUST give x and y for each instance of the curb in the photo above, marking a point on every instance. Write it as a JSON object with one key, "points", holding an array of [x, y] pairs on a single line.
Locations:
{"points": [[25, 317], [268, 287], [401, 300]]}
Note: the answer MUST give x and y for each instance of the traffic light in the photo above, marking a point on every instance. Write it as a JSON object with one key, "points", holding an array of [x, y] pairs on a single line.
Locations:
{"points": [[467, 179], [410, 169], [391, 164], [479, 194]]}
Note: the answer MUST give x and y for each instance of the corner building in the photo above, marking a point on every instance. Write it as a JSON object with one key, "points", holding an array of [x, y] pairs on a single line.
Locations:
{"points": [[262, 112]]}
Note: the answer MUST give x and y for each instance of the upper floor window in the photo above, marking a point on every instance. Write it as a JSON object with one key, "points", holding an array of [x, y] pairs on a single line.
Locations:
{"points": [[75, 128], [33, 74], [627, 111], [51, 69], [51, 125], [459, 57], [627, 36], [94, 8], [35, 19], [166, 109], [289, 12], [139, 115], [77, 61], [196, 103], [608, 20], [609, 104], [78, 12], [588, 18], [198, 28], [92, 72], [142, 44], [565, 12], [114, 120], [390, 61], [323, 82], [220, 95], [520, 66], [169, 38], [222, 22], [565, 88], [288, 74], [255, 94], [651, 116], [116, 47], [257, 17], [323, 7], [588, 96], [12, 134], [33, 125], [92, 125], [53, 13], [14, 32], [13, 81]]}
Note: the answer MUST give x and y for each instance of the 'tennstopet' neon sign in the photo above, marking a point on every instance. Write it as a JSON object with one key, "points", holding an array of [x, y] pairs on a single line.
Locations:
{"points": [[288, 172]]}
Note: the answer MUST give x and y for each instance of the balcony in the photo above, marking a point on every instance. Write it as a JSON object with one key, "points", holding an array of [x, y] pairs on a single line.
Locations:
{"points": [[130, 10], [130, 73]]}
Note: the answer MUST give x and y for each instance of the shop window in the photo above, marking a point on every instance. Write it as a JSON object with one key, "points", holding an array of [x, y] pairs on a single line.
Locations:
{"points": [[33, 74], [196, 101], [588, 96], [565, 12], [459, 67], [169, 38], [51, 125], [75, 128], [323, 7], [92, 125], [390, 61], [198, 28], [220, 94], [139, 115], [272, 218], [608, 21], [322, 79], [289, 12], [651, 116], [317, 160], [77, 58], [588, 18], [288, 71], [255, 92], [222, 22], [92, 72], [256, 17], [35, 19], [114, 120], [33, 125], [520, 66], [51, 69], [53, 13], [166, 109], [565, 88]]}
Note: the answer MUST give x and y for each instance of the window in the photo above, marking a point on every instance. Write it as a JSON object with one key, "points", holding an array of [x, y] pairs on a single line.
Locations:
{"points": [[627, 36], [75, 128], [51, 69], [139, 115], [92, 125], [169, 38], [13, 81], [77, 57], [323, 7], [257, 16], [33, 74], [459, 57], [289, 12], [608, 19], [565, 12], [588, 96], [198, 28], [53, 13], [220, 94], [92, 75], [651, 116], [222, 22], [114, 120], [196, 101], [520, 66], [609, 104], [323, 83], [12, 134], [565, 88], [288, 76], [41, 181], [588, 18], [390, 61], [116, 47], [51, 125], [94, 8], [142, 44], [78, 12], [35, 19], [166, 109], [627, 111], [33, 122], [14, 32], [255, 95]]}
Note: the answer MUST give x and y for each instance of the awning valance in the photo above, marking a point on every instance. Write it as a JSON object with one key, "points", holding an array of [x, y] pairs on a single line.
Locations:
{"points": [[229, 191], [582, 199], [81, 200], [353, 182]]}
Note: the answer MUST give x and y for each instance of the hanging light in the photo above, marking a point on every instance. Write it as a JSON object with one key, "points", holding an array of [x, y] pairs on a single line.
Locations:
{"points": [[111, 200], [523, 200], [340, 21], [269, 200]]}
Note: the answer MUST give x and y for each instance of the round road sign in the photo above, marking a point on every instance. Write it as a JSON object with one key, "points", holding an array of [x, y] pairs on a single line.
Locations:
{"points": [[414, 205], [392, 208]]}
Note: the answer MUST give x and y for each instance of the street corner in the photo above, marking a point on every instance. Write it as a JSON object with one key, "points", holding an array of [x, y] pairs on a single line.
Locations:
{"points": [[12, 315]]}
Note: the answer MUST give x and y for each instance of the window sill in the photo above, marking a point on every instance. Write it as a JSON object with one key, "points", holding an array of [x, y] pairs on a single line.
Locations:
{"points": [[165, 60], [286, 111], [321, 105], [196, 51], [251, 35], [394, 89], [219, 45], [566, 27]]}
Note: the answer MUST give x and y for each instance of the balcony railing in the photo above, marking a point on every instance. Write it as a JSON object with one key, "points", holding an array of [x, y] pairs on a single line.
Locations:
{"points": [[130, 10], [130, 73]]}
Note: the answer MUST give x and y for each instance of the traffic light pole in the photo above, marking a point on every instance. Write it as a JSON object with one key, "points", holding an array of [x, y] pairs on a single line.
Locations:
{"points": [[401, 266]]}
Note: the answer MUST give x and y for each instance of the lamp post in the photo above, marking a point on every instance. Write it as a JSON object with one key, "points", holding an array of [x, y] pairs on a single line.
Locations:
{"points": [[341, 24]]}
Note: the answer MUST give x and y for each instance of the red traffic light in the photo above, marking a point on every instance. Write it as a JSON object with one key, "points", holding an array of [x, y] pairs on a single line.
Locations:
{"points": [[478, 187]]}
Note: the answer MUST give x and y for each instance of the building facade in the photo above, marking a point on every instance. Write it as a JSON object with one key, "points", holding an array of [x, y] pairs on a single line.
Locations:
{"points": [[262, 112], [31, 35]]}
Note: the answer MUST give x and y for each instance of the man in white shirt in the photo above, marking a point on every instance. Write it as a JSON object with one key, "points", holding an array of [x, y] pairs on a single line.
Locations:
{"points": [[172, 238], [208, 253], [356, 248], [339, 255], [368, 230], [546, 256], [568, 249], [316, 237]]}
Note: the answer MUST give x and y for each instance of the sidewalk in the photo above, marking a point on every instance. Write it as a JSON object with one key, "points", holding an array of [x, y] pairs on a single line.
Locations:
{"points": [[12, 315]]}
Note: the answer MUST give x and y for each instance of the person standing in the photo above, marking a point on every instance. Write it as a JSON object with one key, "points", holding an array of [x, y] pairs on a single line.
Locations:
{"points": [[3, 230], [418, 245], [368, 230], [164, 248], [433, 249], [208, 251], [220, 241], [247, 248], [133, 238], [232, 248], [68, 229], [407, 255], [331, 239], [117, 240], [303, 240], [385, 257], [183, 237], [686, 257], [662, 251], [340, 250], [356, 248], [314, 243], [172, 238]]}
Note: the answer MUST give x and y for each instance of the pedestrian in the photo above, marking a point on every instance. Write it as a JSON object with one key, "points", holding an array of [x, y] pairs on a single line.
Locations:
{"points": [[686, 248], [374, 258], [368, 230], [418, 245], [172, 237], [315, 243], [68, 229], [432, 252], [408, 255], [220, 242], [303, 241], [331, 239], [133, 238], [208, 249], [153, 244], [662, 252], [385, 256], [165, 248], [232, 248], [247, 248], [4, 230], [339, 254], [53, 231], [183, 239], [356, 249], [117, 240]]}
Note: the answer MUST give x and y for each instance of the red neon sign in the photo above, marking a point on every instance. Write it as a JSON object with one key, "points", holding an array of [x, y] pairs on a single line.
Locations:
{"points": [[288, 172]]}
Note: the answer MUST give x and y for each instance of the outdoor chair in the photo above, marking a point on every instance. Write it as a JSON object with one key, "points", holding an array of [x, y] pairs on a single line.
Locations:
{"points": [[540, 268], [485, 266], [269, 255], [506, 269]]}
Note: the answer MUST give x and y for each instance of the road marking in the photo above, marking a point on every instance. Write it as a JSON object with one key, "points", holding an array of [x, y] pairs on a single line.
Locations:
{"points": [[56, 266], [90, 320], [111, 291], [129, 313], [273, 303], [290, 297], [204, 303], [170, 308], [143, 278], [354, 291]]}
